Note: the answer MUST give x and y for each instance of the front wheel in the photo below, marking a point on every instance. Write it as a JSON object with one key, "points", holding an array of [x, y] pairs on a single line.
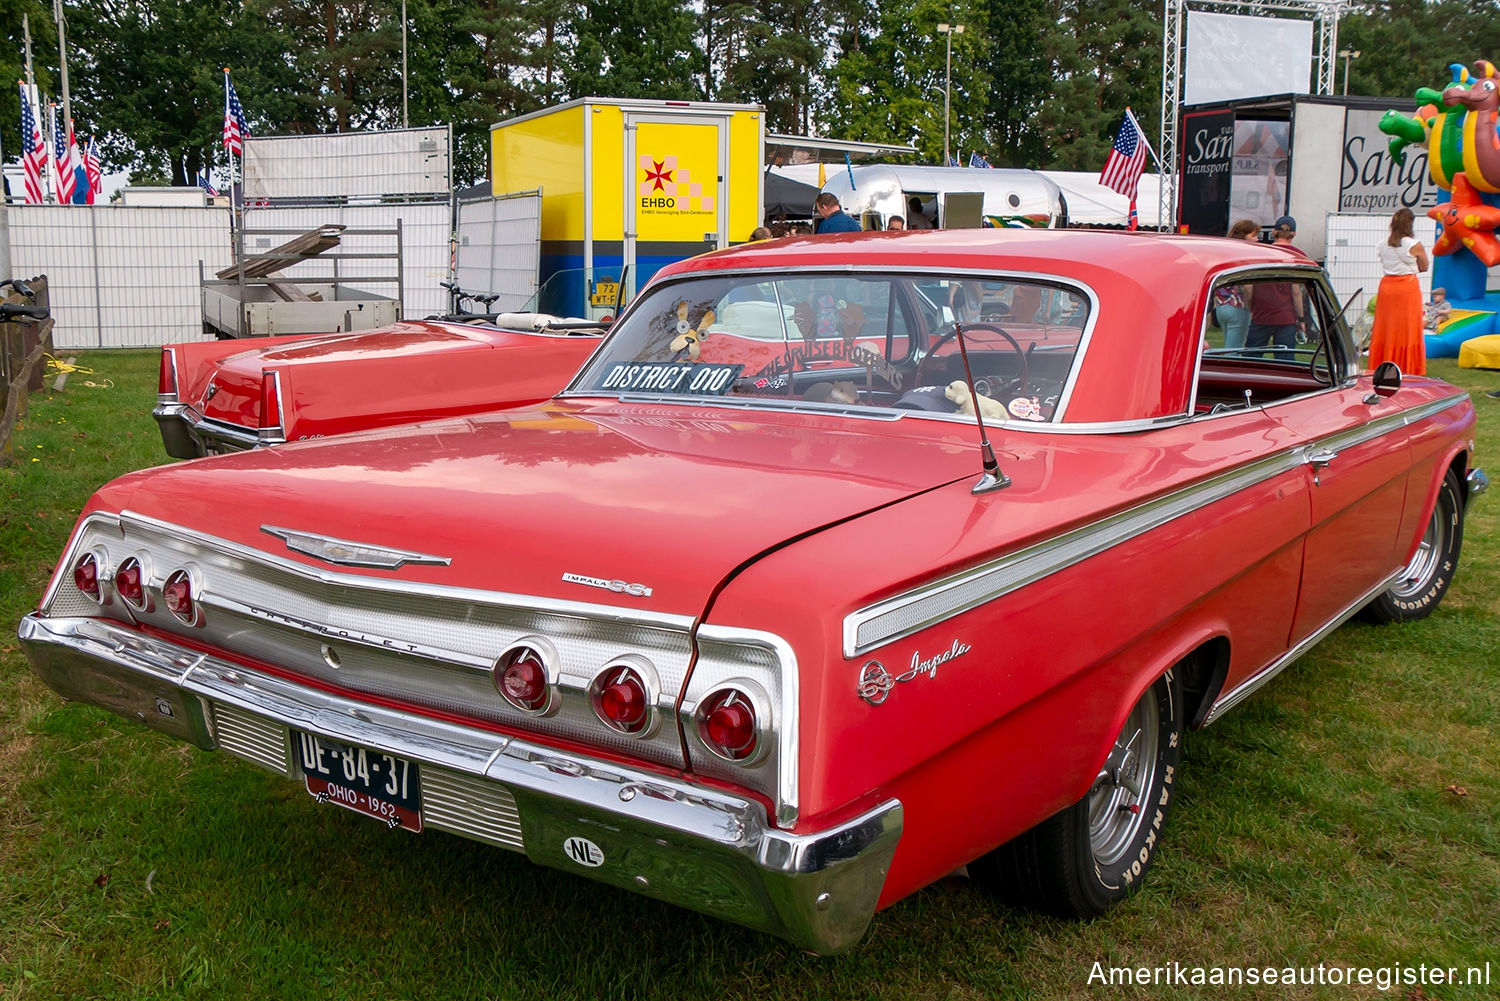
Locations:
{"points": [[1081, 862], [1425, 579]]}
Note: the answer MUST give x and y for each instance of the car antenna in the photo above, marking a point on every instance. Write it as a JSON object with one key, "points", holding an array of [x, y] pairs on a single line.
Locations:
{"points": [[992, 478]]}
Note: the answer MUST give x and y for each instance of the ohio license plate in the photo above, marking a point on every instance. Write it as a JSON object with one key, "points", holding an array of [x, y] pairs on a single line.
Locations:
{"points": [[374, 783]]}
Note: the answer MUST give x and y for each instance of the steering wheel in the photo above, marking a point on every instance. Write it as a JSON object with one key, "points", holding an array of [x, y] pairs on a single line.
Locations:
{"points": [[1023, 380]]}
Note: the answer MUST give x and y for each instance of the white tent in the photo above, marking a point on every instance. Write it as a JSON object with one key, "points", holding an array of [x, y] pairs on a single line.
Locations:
{"points": [[1092, 204]]}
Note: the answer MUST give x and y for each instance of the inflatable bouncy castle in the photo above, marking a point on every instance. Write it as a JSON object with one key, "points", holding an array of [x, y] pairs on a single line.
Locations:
{"points": [[1458, 128]]}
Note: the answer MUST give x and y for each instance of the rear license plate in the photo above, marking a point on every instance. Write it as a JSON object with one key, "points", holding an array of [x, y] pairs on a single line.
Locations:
{"points": [[374, 783]]}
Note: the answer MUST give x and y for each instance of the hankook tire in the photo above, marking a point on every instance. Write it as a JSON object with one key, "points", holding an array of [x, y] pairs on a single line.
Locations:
{"points": [[1082, 861], [1426, 577]]}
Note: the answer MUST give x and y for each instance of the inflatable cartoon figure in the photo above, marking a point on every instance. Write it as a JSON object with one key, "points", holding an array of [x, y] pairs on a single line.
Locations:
{"points": [[1459, 128]]}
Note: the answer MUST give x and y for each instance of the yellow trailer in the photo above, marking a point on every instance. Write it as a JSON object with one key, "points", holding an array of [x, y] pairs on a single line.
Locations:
{"points": [[629, 186]]}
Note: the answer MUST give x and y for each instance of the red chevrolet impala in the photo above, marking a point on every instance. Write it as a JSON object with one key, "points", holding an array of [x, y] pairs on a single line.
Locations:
{"points": [[756, 617]]}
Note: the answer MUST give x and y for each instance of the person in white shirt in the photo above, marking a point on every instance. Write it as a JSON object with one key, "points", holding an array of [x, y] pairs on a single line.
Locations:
{"points": [[1397, 333]]}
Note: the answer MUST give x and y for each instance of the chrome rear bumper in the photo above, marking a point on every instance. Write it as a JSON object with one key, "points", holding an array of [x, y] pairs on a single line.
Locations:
{"points": [[1476, 482], [186, 434], [687, 844]]}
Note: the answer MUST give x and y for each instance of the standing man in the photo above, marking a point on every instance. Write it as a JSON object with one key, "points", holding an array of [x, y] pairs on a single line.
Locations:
{"points": [[831, 216], [895, 222]]}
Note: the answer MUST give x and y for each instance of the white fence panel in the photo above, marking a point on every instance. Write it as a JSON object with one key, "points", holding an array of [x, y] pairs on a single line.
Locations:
{"points": [[499, 247], [425, 231], [1352, 261], [120, 276], [356, 164]]}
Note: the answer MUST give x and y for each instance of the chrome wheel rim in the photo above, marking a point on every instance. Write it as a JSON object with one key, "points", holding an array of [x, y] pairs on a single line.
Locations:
{"points": [[1117, 809], [1418, 573]]}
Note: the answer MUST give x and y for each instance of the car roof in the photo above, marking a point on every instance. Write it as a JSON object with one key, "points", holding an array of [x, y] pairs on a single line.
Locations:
{"points": [[1150, 293], [1069, 253]]}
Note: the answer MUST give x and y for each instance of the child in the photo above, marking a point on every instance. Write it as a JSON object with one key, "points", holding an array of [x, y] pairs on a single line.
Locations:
{"points": [[1438, 309]]}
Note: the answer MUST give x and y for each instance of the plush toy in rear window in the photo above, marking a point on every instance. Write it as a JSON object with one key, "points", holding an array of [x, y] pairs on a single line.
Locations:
{"points": [[690, 338]]}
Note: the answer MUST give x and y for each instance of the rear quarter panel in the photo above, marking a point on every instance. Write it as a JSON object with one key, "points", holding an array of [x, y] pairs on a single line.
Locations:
{"points": [[1013, 728]]}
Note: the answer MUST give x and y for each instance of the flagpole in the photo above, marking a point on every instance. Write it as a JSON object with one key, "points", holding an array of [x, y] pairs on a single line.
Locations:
{"points": [[1141, 133], [62, 55], [53, 174]]}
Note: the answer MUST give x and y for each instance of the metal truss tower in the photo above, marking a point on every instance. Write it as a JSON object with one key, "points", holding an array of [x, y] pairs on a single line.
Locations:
{"points": [[1174, 17]]}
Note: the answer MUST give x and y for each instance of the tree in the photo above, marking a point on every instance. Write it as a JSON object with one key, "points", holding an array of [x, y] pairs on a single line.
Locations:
{"points": [[634, 48], [1102, 56], [148, 77]]}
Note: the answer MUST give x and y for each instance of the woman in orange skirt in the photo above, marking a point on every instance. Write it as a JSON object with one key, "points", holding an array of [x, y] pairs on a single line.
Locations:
{"points": [[1397, 334]]}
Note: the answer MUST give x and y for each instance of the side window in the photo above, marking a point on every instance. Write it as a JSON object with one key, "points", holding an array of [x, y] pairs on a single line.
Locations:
{"points": [[1265, 339]]}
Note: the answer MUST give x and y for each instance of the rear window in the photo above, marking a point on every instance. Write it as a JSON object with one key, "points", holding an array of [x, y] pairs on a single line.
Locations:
{"points": [[848, 340]]}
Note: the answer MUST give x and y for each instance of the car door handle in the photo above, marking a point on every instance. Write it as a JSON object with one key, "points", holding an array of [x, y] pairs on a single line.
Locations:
{"points": [[1320, 459]]}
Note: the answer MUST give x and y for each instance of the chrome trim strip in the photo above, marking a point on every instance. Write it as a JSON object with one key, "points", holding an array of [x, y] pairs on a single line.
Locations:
{"points": [[273, 434], [687, 843], [960, 592], [358, 582], [1243, 690], [788, 728], [995, 578]]}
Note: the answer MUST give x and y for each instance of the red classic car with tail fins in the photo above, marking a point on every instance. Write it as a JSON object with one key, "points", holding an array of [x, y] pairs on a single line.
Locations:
{"points": [[223, 396], [757, 616]]}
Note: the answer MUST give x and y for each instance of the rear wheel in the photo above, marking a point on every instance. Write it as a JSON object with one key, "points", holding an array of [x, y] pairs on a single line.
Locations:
{"points": [[1084, 860], [1425, 579]]}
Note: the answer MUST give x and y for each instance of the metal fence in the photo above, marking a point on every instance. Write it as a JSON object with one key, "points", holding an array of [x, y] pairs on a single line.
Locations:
{"points": [[120, 276], [499, 243]]}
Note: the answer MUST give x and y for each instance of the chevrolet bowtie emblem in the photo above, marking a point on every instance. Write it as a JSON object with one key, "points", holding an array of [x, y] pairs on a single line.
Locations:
{"points": [[350, 554]]}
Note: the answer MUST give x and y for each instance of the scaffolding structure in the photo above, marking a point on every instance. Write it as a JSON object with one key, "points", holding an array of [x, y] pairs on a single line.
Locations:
{"points": [[1325, 14]]}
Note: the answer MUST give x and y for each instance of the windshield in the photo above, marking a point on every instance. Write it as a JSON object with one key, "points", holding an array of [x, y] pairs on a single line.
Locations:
{"points": [[841, 340]]}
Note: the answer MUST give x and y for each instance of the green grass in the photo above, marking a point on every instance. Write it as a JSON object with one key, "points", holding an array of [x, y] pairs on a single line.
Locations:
{"points": [[1314, 824]]}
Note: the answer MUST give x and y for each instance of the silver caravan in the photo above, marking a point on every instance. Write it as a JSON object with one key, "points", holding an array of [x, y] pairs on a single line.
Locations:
{"points": [[950, 197]]}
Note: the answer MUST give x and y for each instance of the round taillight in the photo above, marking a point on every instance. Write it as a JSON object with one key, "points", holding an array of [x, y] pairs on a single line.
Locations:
{"points": [[177, 595], [130, 583], [86, 575], [621, 700], [728, 725], [522, 680]]}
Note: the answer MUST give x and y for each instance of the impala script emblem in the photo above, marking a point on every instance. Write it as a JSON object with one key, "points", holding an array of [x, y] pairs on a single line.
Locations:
{"points": [[875, 682]]}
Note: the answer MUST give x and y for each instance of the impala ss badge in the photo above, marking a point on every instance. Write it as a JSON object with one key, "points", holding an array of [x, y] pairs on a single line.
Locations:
{"points": [[617, 586], [875, 682], [350, 554]]}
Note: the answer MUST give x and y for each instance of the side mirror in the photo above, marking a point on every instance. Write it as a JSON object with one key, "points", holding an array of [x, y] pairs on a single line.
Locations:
{"points": [[1386, 381]]}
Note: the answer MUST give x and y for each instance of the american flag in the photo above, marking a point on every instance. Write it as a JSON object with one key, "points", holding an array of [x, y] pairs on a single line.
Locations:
{"points": [[92, 171], [975, 160], [207, 185], [1122, 171], [235, 127], [34, 150], [66, 162]]}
